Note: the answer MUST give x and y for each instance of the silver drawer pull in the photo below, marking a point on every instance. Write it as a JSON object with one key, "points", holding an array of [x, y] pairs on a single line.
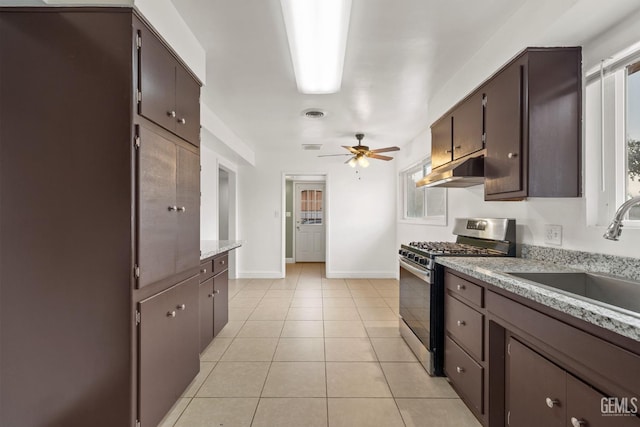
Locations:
{"points": [[171, 314], [210, 295], [181, 307], [171, 113], [577, 423], [173, 208], [512, 155], [457, 147], [448, 151], [204, 270], [217, 291], [459, 370], [222, 262], [182, 121], [182, 209], [461, 323], [461, 287], [551, 402]]}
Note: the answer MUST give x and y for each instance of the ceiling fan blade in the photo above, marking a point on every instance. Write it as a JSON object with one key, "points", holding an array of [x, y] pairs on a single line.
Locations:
{"points": [[384, 150], [331, 155], [379, 157], [353, 150]]}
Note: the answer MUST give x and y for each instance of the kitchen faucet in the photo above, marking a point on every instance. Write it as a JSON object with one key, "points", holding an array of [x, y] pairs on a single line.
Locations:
{"points": [[615, 228]]}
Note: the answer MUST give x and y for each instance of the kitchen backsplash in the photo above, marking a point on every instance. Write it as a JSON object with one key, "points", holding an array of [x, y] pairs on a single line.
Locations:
{"points": [[590, 261]]}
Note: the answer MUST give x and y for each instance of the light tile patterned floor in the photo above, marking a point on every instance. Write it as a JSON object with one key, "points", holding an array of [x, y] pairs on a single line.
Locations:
{"points": [[306, 351]]}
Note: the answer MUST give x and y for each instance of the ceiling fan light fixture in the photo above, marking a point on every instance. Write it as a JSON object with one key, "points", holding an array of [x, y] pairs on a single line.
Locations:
{"points": [[353, 162], [317, 33], [362, 161]]}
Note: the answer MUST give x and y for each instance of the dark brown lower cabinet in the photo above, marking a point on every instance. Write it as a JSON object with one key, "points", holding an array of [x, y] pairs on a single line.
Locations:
{"points": [[220, 301], [536, 389], [214, 297], [206, 313], [540, 393], [168, 349]]}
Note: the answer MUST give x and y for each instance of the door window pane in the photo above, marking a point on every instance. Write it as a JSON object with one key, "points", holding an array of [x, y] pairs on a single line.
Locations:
{"points": [[311, 207]]}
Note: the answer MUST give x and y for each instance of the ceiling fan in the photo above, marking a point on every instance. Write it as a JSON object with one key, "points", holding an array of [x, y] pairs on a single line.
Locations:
{"points": [[359, 153]]}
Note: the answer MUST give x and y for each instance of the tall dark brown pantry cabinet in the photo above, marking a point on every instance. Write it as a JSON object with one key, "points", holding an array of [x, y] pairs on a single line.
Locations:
{"points": [[99, 220]]}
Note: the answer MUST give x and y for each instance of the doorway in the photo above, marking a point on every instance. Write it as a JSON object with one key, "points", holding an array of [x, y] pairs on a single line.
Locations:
{"points": [[305, 223]]}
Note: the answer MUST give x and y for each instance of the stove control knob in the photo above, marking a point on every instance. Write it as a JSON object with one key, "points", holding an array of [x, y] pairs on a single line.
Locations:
{"points": [[418, 259], [412, 256], [401, 251], [424, 261]]}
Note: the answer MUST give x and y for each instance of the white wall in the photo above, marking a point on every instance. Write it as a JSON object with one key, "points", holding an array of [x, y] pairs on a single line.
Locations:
{"points": [[538, 23], [360, 214]]}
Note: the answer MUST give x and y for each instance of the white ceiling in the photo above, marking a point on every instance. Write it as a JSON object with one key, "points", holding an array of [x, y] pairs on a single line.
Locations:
{"points": [[397, 54]]}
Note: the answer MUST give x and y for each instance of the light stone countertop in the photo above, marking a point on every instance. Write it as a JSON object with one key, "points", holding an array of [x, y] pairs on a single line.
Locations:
{"points": [[209, 248], [494, 271]]}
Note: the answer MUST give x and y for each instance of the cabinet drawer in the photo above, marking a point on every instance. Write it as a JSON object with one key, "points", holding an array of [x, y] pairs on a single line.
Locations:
{"points": [[465, 325], [584, 404], [206, 270], [464, 289], [465, 374], [220, 263]]}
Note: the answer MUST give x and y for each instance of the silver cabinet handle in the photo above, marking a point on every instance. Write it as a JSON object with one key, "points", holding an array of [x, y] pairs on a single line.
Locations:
{"points": [[182, 209], [171, 313], [204, 270], [173, 208], [551, 402], [461, 323], [182, 121], [448, 151], [181, 306], [171, 113], [461, 287], [459, 370], [512, 155], [222, 262], [210, 295], [577, 423], [216, 291], [457, 147]]}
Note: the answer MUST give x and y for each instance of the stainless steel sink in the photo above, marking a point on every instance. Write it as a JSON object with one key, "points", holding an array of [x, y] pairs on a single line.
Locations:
{"points": [[613, 292]]}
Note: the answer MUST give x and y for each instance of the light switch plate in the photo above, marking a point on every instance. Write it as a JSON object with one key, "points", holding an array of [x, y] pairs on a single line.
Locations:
{"points": [[553, 234]]}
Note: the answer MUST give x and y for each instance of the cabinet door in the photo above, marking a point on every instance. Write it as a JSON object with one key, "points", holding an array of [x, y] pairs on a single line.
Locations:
{"points": [[504, 132], [221, 301], [168, 349], [187, 106], [188, 213], [467, 126], [157, 219], [441, 148], [206, 313], [535, 389], [584, 408], [157, 81]]}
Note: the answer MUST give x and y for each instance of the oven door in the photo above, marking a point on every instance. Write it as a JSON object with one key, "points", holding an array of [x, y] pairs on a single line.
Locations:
{"points": [[415, 300]]}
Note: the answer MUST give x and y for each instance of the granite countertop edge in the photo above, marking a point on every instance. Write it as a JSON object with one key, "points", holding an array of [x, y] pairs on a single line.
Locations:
{"points": [[494, 271], [210, 248]]}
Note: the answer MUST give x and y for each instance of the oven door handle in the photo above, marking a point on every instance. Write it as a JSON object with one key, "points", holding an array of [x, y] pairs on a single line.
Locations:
{"points": [[424, 275]]}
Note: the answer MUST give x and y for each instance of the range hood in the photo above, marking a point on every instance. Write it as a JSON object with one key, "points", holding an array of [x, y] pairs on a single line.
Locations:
{"points": [[464, 172]]}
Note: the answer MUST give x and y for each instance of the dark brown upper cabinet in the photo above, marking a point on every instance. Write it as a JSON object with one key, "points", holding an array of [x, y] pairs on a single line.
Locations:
{"points": [[168, 94], [169, 208], [468, 126], [533, 126], [441, 142]]}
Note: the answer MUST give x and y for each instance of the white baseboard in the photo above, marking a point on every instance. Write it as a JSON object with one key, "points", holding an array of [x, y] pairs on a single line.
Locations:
{"points": [[260, 275], [290, 260], [362, 274]]}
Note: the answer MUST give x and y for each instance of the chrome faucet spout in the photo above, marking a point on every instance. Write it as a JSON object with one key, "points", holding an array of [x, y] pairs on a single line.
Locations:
{"points": [[615, 228]]}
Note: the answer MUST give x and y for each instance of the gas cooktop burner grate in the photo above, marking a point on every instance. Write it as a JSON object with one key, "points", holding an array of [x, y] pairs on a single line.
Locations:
{"points": [[452, 248]]}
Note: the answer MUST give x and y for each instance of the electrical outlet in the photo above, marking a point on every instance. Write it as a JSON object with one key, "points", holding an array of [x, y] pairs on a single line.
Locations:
{"points": [[553, 234]]}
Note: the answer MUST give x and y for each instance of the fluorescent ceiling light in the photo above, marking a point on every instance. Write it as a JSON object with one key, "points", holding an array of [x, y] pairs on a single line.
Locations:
{"points": [[317, 32]]}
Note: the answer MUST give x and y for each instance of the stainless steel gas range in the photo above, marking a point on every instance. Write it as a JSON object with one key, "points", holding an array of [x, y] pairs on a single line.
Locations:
{"points": [[422, 281]]}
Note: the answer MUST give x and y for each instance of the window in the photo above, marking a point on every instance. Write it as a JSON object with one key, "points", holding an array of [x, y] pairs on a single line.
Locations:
{"points": [[311, 207], [632, 171], [612, 137], [421, 204]]}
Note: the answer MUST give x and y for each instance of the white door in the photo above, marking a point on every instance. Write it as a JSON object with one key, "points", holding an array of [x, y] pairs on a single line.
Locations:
{"points": [[310, 222]]}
